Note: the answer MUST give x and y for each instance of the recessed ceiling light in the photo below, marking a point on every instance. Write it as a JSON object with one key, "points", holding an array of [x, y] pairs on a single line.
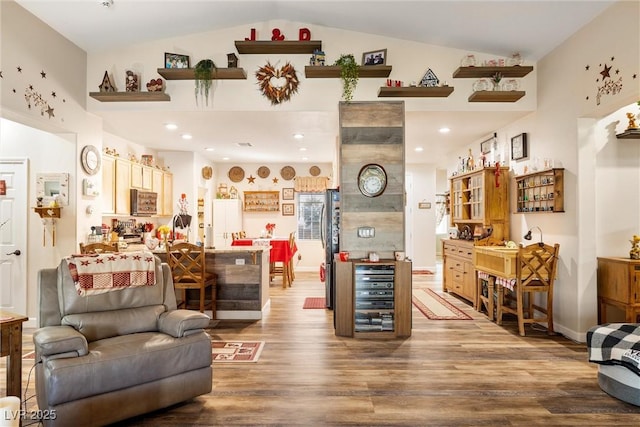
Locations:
{"points": [[419, 149], [298, 135], [305, 158], [210, 149], [171, 126], [303, 149], [225, 158], [445, 130], [186, 136]]}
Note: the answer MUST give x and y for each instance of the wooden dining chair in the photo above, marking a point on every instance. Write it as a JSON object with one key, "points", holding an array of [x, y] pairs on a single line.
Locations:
{"points": [[188, 269], [292, 246], [536, 266], [95, 248]]}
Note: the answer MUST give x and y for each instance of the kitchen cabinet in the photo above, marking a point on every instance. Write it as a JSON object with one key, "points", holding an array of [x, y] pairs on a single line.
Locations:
{"points": [[541, 192], [121, 189], [373, 299], [459, 275], [141, 176], [108, 185], [618, 290], [119, 176], [227, 219]]}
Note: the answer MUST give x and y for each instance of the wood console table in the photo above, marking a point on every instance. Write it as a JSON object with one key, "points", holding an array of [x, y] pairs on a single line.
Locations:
{"points": [[11, 346]]}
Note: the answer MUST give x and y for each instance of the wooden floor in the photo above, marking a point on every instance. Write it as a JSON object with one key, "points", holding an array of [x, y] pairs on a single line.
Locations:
{"points": [[448, 373]]}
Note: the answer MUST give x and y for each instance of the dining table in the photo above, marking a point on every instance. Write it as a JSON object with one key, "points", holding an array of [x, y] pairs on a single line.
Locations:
{"points": [[280, 252]]}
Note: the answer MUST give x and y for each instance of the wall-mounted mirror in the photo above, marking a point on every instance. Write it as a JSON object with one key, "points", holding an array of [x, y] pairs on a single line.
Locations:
{"points": [[52, 186]]}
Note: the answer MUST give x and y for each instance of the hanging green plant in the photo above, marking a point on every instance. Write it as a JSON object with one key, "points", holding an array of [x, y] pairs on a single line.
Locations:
{"points": [[205, 72], [349, 75]]}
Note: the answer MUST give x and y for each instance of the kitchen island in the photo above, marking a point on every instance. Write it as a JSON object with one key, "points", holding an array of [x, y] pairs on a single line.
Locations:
{"points": [[242, 280]]}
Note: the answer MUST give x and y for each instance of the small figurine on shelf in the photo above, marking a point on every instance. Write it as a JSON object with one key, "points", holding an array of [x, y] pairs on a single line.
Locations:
{"points": [[632, 122], [634, 253]]}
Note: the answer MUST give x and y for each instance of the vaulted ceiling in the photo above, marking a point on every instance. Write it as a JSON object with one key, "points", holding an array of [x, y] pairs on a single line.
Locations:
{"points": [[533, 28]]}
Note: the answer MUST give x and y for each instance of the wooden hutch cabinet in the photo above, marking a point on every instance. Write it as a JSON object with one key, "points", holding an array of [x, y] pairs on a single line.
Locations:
{"points": [[479, 200]]}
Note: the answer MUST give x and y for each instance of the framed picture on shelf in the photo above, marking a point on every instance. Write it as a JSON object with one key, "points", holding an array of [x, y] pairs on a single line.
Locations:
{"points": [[519, 147], [375, 57], [288, 209], [175, 60], [287, 194]]}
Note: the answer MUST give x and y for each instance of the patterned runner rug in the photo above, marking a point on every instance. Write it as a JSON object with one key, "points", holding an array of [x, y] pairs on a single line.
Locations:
{"points": [[436, 307], [314, 302], [236, 351]]}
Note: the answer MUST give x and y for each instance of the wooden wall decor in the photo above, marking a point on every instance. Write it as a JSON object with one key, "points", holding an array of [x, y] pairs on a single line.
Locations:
{"points": [[372, 132]]}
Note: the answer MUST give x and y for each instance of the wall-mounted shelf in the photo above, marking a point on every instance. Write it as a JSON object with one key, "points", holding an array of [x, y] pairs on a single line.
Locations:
{"points": [[130, 96], [283, 46], [333, 71], [629, 134], [415, 91], [189, 73], [48, 212], [496, 96], [476, 72], [541, 192]]}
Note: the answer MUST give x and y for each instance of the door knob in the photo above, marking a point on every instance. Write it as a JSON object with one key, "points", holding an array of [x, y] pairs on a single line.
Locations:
{"points": [[16, 252]]}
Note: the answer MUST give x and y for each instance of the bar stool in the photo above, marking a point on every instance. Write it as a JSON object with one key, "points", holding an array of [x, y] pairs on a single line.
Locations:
{"points": [[188, 269]]}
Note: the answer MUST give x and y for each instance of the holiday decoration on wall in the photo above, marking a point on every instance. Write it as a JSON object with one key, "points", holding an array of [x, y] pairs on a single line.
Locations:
{"points": [[277, 84], [608, 79]]}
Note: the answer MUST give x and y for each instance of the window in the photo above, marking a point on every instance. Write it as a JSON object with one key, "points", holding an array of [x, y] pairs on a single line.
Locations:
{"points": [[309, 215]]}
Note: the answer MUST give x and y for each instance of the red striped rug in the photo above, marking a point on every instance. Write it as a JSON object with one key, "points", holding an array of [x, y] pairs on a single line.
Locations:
{"points": [[314, 302], [436, 307]]}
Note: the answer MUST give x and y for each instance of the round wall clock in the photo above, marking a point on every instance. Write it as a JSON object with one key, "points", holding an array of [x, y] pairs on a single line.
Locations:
{"points": [[90, 159], [372, 180]]}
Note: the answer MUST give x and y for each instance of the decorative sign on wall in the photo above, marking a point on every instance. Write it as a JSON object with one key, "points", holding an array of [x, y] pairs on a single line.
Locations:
{"points": [[609, 79]]}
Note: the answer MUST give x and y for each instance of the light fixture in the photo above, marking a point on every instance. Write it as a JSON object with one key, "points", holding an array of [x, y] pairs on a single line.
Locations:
{"points": [[444, 130], [186, 136], [528, 235], [106, 3], [419, 149], [171, 126], [298, 135], [225, 158], [303, 148], [210, 149]]}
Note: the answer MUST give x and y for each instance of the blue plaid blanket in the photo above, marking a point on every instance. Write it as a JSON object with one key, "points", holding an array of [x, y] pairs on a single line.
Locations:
{"points": [[615, 344]]}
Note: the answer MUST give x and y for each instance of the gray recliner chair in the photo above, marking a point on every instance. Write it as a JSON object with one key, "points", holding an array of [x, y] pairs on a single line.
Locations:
{"points": [[108, 357]]}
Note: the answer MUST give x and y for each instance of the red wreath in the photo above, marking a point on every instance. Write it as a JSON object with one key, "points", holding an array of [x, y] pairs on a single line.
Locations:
{"points": [[278, 94]]}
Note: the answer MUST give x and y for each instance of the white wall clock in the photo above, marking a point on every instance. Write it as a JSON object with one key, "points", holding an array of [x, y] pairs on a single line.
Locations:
{"points": [[372, 180], [90, 159]]}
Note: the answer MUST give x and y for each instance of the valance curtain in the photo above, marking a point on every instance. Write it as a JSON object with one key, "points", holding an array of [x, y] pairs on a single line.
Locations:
{"points": [[311, 184]]}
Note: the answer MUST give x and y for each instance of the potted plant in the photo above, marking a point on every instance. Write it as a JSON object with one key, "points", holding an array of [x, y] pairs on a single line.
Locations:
{"points": [[205, 71], [348, 74]]}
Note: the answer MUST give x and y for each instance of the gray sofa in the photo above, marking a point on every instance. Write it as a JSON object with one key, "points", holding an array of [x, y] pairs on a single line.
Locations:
{"points": [[108, 357]]}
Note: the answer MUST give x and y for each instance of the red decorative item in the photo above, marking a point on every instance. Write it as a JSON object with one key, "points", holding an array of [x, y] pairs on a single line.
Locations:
{"points": [[276, 35], [252, 37], [323, 272], [497, 174], [304, 34]]}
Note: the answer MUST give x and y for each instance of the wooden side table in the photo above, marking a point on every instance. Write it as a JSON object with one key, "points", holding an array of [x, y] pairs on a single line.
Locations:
{"points": [[619, 286], [11, 346]]}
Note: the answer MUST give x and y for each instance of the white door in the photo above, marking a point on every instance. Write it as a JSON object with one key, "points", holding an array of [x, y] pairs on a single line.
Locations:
{"points": [[13, 236]]}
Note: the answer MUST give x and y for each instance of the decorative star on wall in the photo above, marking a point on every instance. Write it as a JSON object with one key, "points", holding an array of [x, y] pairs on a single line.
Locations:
{"points": [[605, 72], [275, 180], [251, 179], [43, 74]]}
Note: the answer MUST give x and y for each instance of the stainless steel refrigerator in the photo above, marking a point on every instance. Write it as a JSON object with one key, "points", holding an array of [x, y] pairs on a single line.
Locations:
{"points": [[330, 241]]}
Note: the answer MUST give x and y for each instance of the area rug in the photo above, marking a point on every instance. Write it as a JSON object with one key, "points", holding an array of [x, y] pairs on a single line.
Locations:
{"points": [[236, 351], [314, 302], [436, 307]]}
